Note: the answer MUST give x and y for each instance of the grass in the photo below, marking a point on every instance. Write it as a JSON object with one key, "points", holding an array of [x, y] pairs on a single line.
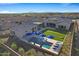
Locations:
{"points": [[58, 36]]}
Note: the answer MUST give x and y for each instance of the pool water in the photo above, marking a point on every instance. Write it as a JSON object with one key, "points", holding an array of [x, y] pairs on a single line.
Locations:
{"points": [[46, 46]]}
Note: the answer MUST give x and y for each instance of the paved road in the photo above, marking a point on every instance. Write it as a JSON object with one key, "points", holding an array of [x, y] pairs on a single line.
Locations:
{"points": [[7, 47], [11, 50]]}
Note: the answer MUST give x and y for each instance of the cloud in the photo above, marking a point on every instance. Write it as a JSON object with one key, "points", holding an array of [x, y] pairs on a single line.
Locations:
{"points": [[6, 12]]}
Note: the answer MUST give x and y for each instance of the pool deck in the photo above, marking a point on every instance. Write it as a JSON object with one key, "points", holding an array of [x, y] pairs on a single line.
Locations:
{"points": [[51, 48]]}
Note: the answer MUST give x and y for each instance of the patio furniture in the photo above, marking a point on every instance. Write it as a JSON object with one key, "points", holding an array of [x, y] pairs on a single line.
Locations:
{"points": [[51, 37]]}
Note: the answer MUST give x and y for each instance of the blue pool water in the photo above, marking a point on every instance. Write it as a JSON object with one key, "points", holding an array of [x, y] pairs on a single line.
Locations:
{"points": [[46, 46]]}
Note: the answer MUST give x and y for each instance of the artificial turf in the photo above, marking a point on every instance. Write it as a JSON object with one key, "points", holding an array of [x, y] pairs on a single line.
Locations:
{"points": [[57, 36]]}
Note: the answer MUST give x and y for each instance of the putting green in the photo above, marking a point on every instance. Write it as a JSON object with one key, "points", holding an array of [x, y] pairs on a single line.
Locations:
{"points": [[57, 36]]}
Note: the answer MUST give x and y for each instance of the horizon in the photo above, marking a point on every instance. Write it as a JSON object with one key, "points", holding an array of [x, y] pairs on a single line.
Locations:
{"points": [[39, 8]]}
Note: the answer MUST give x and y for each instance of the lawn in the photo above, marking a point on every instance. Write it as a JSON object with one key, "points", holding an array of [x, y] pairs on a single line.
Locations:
{"points": [[57, 36]]}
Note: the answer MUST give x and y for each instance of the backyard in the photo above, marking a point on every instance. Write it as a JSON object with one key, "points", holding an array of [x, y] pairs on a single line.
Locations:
{"points": [[57, 36]]}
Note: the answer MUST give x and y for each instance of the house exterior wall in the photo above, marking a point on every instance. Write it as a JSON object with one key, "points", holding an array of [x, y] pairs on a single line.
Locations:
{"points": [[65, 23]]}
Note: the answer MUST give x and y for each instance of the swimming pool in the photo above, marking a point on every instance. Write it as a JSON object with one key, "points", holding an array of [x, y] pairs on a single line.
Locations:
{"points": [[47, 45]]}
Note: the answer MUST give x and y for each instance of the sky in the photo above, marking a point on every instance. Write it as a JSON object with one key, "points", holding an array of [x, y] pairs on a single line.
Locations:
{"points": [[39, 7]]}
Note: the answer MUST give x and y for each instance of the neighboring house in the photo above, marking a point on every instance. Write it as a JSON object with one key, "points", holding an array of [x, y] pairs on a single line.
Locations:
{"points": [[59, 22]]}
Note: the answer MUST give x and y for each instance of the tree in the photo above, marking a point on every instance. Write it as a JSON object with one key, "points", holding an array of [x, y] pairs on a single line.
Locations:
{"points": [[31, 52], [14, 46], [21, 51], [3, 40]]}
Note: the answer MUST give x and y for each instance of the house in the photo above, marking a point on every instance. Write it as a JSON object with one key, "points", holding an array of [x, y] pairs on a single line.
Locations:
{"points": [[58, 22]]}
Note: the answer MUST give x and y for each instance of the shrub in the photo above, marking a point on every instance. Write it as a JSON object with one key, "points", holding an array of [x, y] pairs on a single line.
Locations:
{"points": [[14, 46]]}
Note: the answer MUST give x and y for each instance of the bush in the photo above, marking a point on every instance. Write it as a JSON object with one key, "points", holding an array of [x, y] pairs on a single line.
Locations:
{"points": [[14, 46], [21, 50], [5, 53]]}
